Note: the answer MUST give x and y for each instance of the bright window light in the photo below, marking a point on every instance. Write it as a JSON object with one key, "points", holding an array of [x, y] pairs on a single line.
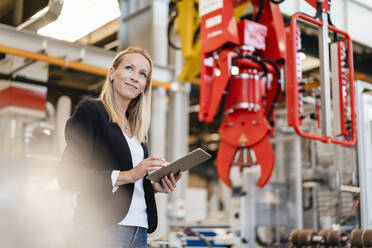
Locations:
{"points": [[80, 17]]}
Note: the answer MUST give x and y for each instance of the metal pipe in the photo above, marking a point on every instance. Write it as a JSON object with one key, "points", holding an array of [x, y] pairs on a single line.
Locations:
{"points": [[324, 78], [298, 183], [53, 60], [74, 65]]}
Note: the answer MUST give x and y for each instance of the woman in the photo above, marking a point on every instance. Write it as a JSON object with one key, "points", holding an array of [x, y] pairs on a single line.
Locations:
{"points": [[106, 158]]}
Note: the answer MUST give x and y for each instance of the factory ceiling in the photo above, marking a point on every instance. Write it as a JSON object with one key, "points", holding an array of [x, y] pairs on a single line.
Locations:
{"points": [[61, 81], [15, 12]]}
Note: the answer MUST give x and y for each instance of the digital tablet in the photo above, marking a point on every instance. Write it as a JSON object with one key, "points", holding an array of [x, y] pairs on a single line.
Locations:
{"points": [[188, 161]]}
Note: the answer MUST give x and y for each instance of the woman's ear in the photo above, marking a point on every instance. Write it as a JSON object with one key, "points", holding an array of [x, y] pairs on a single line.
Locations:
{"points": [[110, 74]]}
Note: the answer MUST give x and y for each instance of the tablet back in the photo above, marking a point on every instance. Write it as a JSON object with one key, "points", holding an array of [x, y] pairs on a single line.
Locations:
{"points": [[188, 161]]}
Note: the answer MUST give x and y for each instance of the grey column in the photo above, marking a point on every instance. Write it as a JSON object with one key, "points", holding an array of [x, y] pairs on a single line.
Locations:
{"points": [[159, 52], [178, 133], [298, 182], [123, 28], [143, 23], [157, 146]]}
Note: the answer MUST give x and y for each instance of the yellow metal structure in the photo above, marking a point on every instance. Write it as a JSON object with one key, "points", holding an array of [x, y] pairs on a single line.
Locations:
{"points": [[187, 23]]}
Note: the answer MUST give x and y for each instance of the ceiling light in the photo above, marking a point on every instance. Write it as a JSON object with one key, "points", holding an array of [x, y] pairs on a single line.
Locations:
{"points": [[80, 17]]}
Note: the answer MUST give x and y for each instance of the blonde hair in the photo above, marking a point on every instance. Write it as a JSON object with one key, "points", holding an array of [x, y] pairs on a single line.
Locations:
{"points": [[139, 109]]}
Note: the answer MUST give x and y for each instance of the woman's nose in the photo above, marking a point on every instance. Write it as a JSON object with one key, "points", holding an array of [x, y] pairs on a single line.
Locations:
{"points": [[134, 76]]}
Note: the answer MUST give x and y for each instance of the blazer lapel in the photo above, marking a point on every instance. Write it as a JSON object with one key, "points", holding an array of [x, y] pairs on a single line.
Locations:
{"points": [[119, 145], [145, 150], [121, 149]]}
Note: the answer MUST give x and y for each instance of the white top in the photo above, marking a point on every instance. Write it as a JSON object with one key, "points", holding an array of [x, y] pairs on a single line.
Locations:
{"points": [[137, 214]]}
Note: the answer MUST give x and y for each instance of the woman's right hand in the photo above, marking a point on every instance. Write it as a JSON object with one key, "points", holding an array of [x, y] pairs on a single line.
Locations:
{"points": [[140, 171]]}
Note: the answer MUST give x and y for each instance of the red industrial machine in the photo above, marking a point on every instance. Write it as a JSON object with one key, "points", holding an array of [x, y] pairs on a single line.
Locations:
{"points": [[241, 73], [342, 83]]}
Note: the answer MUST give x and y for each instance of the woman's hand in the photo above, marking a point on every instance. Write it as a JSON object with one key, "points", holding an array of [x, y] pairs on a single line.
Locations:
{"points": [[140, 171], [168, 184]]}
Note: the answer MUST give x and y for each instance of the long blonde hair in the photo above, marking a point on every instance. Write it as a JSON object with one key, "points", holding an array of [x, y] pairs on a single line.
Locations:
{"points": [[139, 109]]}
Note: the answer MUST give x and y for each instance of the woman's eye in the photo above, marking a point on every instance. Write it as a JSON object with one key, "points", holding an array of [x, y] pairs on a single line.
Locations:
{"points": [[128, 67], [143, 74]]}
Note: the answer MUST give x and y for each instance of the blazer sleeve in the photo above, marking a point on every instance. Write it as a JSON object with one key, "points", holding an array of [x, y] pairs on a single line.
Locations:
{"points": [[75, 171]]}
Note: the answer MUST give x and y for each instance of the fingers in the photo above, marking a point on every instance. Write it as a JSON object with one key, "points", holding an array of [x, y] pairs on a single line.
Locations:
{"points": [[151, 165], [151, 168], [155, 162], [173, 180], [155, 158], [147, 165], [157, 187], [167, 185], [179, 175]]}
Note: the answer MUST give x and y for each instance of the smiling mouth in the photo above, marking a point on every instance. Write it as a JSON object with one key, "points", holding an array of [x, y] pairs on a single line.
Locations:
{"points": [[131, 85]]}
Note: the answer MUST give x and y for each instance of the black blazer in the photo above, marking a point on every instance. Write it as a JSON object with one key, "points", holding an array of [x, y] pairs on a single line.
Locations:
{"points": [[96, 147]]}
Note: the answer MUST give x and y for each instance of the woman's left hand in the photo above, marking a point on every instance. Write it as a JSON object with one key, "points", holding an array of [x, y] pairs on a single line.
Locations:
{"points": [[168, 184]]}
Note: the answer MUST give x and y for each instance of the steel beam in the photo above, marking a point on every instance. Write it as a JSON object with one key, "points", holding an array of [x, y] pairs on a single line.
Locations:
{"points": [[28, 44], [157, 146], [32, 42]]}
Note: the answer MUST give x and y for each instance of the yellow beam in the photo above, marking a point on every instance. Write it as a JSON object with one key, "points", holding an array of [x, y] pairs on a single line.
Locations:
{"points": [[362, 77], [70, 64], [53, 60]]}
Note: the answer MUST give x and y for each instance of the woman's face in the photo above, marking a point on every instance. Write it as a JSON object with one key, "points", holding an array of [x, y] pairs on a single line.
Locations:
{"points": [[130, 77]]}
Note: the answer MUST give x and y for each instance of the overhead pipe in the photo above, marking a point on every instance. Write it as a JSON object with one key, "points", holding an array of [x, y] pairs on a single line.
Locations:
{"points": [[78, 66], [51, 13]]}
